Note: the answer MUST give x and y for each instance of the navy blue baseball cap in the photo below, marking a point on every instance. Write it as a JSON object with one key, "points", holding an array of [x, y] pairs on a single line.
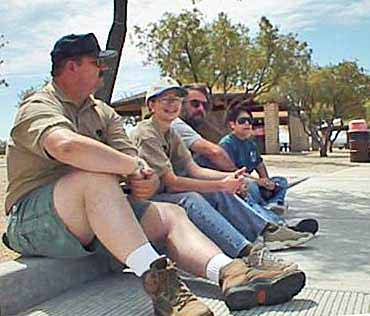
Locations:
{"points": [[79, 45]]}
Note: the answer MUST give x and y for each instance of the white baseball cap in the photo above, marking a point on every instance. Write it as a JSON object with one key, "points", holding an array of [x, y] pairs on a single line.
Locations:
{"points": [[163, 85]]}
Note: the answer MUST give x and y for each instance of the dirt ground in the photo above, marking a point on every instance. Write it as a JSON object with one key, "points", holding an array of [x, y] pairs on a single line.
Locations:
{"points": [[292, 166]]}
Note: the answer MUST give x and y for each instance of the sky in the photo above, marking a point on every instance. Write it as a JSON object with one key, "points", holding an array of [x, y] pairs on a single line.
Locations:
{"points": [[336, 30]]}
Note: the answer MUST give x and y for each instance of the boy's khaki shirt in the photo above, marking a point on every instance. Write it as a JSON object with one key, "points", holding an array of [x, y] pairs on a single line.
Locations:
{"points": [[163, 152], [29, 166]]}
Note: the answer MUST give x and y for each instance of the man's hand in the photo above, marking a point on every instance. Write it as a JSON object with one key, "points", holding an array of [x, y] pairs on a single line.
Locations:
{"points": [[242, 172], [266, 183], [234, 182], [143, 184], [243, 190]]}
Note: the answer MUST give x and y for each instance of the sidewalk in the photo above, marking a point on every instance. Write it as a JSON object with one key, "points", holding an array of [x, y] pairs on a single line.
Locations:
{"points": [[337, 262], [339, 258]]}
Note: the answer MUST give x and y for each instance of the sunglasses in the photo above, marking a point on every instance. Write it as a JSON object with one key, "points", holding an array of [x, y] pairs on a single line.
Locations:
{"points": [[243, 120], [197, 103]]}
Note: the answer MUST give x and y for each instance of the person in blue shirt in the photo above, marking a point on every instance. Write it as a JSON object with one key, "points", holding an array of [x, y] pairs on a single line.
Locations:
{"points": [[194, 110], [244, 152]]}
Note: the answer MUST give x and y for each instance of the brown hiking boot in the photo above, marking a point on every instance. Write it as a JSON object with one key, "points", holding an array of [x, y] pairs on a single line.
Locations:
{"points": [[261, 258], [245, 287], [170, 296]]}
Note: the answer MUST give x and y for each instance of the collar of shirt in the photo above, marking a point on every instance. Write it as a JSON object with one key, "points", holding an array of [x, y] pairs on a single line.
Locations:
{"points": [[158, 128], [59, 93]]}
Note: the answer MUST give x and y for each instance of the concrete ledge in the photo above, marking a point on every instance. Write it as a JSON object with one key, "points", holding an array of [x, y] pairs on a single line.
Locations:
{"points": [[27, 282]]}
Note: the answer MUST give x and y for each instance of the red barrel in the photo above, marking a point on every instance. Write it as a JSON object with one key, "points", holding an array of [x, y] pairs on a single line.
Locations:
{"points": [[358, 141]]}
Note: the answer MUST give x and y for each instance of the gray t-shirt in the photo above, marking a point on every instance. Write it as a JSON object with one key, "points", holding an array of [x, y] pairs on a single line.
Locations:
{"points": [[187, 133]]}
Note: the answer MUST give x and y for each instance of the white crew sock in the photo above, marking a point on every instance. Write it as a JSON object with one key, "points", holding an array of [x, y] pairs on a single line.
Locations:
{"points": [[140, 259], [214, 266]]}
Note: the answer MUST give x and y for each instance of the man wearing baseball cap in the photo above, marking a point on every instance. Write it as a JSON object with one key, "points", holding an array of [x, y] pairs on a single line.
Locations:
{"points": [[66, 156]]}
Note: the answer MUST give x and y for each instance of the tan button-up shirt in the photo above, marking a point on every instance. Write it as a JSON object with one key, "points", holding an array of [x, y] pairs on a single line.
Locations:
{"points": [[29, 166], [163, 152]]}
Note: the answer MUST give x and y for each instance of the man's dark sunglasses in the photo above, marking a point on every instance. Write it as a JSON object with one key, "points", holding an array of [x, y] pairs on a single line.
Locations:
{"points": [[243, 120], [197, 103]]}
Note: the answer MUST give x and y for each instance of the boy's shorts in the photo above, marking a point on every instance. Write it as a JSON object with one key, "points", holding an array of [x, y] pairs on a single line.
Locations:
{"points": [[35, 229]]}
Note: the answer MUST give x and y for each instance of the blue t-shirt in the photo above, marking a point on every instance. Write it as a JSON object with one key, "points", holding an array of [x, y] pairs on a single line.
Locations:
{"points": [[244, 153]]}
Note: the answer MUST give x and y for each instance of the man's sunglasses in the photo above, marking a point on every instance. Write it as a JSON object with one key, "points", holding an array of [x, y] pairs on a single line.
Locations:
{"points": [[243, 120], [197, 103]]}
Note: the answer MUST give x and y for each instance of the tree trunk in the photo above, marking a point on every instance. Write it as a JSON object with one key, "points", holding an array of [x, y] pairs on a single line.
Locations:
{"points": [[116, 40], [323, 150], [325, 142]]}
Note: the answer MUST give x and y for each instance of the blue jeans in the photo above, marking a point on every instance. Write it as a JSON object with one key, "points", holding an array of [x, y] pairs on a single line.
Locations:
{"points": [[254, 197], [224, 218], [278, 196], [266, 213]]}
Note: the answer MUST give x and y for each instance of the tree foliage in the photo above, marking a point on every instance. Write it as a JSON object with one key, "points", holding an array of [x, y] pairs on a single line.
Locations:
{"points": [[270, 57], [221, 54], [180, 54], [319, 95], [3, 82]]}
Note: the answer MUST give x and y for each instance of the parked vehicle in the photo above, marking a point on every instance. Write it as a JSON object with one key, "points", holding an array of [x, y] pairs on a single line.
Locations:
{"points": [[341, 141]]}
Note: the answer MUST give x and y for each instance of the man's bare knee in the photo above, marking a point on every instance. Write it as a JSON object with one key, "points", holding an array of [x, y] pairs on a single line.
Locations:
{"points": [[171, 215], [160, 219], [79, 193]]}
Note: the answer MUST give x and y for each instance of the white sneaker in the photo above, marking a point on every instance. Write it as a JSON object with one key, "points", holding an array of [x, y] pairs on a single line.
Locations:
{"points": [[284, 237]]}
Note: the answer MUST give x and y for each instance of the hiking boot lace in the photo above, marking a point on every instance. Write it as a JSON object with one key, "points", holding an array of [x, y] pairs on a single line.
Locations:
{"points": [[183, 294], [263, 256]]}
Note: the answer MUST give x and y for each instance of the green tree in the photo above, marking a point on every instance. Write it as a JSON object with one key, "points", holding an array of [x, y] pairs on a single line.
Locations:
{"points": [[367, 109], [319, 95], [227, 42], [177, 44], [116, 40], [188, 48], [2, 45], [221, 54], [270, 57]]}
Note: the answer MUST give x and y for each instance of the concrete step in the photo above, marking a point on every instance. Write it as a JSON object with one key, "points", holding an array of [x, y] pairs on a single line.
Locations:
{"points": [[122, 294], [27, 282]]}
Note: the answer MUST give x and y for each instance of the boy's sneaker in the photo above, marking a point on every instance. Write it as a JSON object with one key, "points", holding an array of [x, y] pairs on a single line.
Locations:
{"points": [[308, 225], [261, 258], [170, 296], [280, 208], [245, 287], [283, 237]]}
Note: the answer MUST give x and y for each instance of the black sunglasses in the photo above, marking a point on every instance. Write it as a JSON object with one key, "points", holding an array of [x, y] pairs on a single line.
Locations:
{"points": [[197, 103], [243, 120]]}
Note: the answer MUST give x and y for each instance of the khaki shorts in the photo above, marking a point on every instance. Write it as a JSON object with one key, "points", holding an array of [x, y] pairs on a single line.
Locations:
{"points": [[35, 229]]}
